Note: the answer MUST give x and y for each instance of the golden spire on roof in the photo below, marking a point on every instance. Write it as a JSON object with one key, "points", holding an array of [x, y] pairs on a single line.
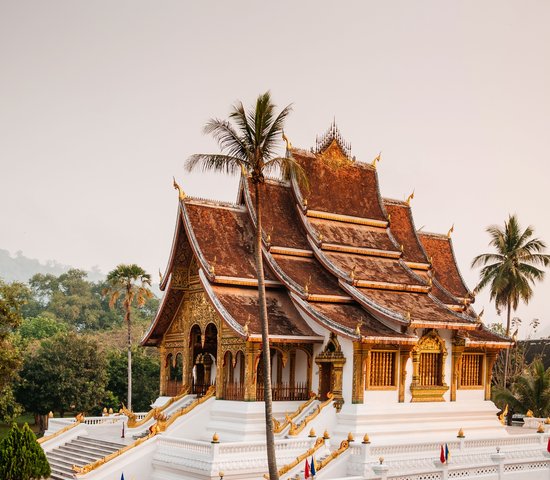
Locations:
{"points": [[287, 141], [410, 197], [479, 318], [160, 276], [376, 159], [451, 230], [358, 327], [178, 188]]}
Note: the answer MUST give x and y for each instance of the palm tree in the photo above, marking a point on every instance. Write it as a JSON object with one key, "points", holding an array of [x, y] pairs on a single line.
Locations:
{"points": [[249, 141], [530, 391], [131, 283], [512, 271]]}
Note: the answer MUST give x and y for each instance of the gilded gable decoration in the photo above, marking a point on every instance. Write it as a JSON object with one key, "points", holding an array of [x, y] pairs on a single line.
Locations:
{"points": [[332, 148]]}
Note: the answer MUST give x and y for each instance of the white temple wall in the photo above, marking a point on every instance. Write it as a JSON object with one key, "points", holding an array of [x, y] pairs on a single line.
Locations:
{"points": [[470, 395], [347, 380], [301, 366], [381, 396]]}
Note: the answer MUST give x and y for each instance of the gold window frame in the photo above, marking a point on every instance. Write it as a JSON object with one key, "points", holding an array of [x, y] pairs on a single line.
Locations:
{"points": [[481, 374], [368, 385]]}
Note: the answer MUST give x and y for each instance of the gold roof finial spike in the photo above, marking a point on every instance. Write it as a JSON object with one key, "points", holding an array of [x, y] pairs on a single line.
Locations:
{"points": [[245, 328], [352, 273], [451, 230], [287, 141], [376, 159], [479, 318], [408, 316], [358, 327], [160, 276], [178, 188], [410, 197]]}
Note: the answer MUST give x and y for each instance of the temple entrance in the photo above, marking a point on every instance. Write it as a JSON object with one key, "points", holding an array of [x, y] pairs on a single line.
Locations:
{"points": [[325, 380], [174, 366], [289, 375], [204, 350], [233, 384]]}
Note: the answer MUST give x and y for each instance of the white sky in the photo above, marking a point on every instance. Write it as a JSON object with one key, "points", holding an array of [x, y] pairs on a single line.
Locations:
{"points": [[102, 101]]}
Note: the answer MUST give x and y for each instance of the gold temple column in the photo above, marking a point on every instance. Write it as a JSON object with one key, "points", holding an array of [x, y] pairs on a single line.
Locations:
{"points": [[163, 373], [252, 350], [292, 376], [416, 366], [490, 359], [338, 373], [360, 355], [458, 350], [404, 355]]}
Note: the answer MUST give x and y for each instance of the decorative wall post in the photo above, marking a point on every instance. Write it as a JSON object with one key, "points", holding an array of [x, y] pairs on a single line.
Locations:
{"points": [[252, 350], [458, 350], [360, 353], [163, 374], [490, 359], [404, 355]]}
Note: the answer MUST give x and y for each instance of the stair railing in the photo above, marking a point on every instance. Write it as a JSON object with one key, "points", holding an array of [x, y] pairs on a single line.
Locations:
{"points": [[296, 429], [162, 423], [78, 420], [132, 418], [278, 427], [289, 466]]}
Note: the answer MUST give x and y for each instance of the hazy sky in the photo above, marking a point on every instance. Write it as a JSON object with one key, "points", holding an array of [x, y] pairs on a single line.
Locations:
{"points": [[102, 101]]}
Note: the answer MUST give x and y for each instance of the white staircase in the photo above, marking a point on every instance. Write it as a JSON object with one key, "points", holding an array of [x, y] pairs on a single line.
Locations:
{"points": [[80, 451]]}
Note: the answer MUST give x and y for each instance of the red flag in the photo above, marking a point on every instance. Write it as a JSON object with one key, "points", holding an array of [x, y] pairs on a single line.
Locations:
{"points": [[442, 455], [306, 470], [548, 446]]}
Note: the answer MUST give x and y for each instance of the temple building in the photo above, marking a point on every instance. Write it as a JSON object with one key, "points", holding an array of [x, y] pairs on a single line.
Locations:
{"points": [[378, 357], [361, 305]]}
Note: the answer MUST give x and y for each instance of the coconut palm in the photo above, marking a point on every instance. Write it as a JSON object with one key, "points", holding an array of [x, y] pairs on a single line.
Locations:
{"points": [[130, 283], [249, 142], [512, 270], [530, 391]]}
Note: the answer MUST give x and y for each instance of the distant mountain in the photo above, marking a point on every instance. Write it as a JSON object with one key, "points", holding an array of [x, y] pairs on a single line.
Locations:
{"points": [[20, 268]]}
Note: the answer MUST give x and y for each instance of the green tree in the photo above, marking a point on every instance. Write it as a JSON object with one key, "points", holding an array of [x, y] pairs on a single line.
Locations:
{"points": [[21, 457], [249, 142], [529, 391], [145, 375], [512, 270], [43, 326], [66, 373], [13, 297], [131, 284]]}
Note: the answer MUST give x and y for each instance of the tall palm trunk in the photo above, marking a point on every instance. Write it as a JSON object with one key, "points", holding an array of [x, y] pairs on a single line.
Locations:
{"points": [[268, 402], [507, 354], [129, 325]]}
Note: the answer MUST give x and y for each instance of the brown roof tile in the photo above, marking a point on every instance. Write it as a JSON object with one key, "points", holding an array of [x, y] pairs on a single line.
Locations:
{"points": [[440, 249], [346, 190], [279, 217], [352, 234], [422, 308], [226, 238], [402, 228], [242, 305]]}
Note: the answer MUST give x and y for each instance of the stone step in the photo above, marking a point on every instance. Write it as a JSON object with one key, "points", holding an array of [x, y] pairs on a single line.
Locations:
{"points": [[69, 452], [58, 474], [66, 462], [99, 441], [99, 452]]}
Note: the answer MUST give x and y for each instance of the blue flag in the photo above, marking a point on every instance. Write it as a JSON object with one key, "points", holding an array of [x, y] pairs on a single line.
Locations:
{"points": [[447, 454], [122, 476], [312, 468]]}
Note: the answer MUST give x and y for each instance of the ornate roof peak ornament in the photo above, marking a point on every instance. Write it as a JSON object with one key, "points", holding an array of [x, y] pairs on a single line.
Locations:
{"points": [[287, 141], [479, 318], [179, 189], [451, 230], [332, 147], [410, 197], [376, 159], [160, 276]]}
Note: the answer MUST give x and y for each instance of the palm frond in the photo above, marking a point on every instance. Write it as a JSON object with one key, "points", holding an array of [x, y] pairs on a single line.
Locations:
{"points": [[227, 138], [214, 162]]}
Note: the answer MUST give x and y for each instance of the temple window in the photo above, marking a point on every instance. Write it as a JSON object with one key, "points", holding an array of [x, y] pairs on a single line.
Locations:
{"points": [[430, 368], [382, 369], [471, 371]]}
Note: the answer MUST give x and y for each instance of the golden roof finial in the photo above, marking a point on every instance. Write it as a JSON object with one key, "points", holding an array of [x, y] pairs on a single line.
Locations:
{"points": [[287, 141], [402, 248], [268, 239], [160, 276], [479, 318], [451, 230], [410, 197], [376, 159], [178, 188], [353, 270], [408, 316], [245, 328], [358, 327]]}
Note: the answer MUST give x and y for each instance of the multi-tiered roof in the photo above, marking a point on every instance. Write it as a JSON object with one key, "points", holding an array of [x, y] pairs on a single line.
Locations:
{"points": [[336, 253]]}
